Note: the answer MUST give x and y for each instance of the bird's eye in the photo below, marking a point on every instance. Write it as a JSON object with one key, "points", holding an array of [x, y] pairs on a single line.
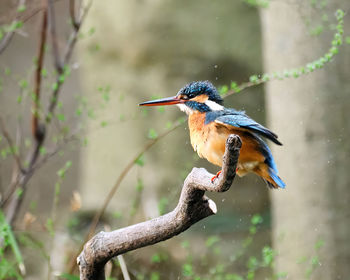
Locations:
{"points": [[184, 97], [191, 95]]}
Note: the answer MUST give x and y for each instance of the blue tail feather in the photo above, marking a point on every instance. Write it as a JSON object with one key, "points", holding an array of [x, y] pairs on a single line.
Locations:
{"points": [[276, 178], [273, 172]]}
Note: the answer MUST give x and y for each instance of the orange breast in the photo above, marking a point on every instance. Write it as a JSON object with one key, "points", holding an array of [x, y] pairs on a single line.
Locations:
{"points": [[209, 142]]}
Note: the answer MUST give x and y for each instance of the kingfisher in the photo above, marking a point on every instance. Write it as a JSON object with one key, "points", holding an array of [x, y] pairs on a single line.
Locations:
{"points": [[210, 124]]}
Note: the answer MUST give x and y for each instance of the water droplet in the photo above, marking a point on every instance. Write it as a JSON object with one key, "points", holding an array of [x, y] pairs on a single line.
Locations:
{"points": [[75, 65]]}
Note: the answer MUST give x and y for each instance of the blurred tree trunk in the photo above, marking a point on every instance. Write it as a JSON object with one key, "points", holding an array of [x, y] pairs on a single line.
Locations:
{"points": [[310, 115]]}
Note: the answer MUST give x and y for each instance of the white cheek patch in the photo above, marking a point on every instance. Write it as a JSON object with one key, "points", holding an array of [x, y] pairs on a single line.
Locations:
{"points": [[185, 109], [214, 106]]}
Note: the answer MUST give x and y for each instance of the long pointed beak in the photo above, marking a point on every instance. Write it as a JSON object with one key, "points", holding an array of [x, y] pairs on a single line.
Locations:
{"points": [[163, 101]]}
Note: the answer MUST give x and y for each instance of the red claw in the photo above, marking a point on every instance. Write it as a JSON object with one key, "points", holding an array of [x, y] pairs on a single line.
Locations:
{"points": [[216, 176]]}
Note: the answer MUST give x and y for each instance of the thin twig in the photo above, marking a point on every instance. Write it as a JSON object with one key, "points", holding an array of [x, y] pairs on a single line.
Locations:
{"points": [[52, 26], [10, 143], [123, 267], [36, 131], [75, 24], [10, 190]]}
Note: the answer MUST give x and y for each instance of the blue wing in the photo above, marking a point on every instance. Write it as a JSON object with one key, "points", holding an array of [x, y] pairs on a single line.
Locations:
{"points": [[241, 120]]}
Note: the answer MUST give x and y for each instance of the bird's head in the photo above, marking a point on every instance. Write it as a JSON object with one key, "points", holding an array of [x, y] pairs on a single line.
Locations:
{"points": [[199, 96]]}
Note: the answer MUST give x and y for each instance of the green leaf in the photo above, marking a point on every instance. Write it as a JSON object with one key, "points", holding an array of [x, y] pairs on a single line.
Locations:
{"points": [[78, 112], [187, 270], [55, 86], [19, 192], [49, 226], [91, 31], [315, 261], [140, 160], [44, 72], [212, 240], [156, 258], [168, 124], [42, 151], [61, 173], [139, 186], [252, 229], [268, 256], [61, 78], [59, 105], [152, 134], [19, 99], [185, 244], [68, 164], [252, 263], [253, 79], [61, 117], [21, 8], [23, 84], [256, 219], [155, 276], [223, 90], [8, 237], [319, 244], [4, 153], [117, 214]]}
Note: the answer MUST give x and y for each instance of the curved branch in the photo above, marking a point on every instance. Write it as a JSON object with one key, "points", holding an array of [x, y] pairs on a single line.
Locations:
{"points": [[193, 206]]}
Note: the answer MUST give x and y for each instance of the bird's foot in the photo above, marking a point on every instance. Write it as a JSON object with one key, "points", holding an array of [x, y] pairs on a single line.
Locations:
{"points": [[216, 176]]}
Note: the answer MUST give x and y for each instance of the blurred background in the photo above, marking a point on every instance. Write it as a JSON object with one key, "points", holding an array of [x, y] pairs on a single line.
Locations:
{"points": [[127, 52]]}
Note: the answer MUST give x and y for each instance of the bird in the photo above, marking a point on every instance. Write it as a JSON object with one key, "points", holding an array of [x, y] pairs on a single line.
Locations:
{"points": [[210, 124]]}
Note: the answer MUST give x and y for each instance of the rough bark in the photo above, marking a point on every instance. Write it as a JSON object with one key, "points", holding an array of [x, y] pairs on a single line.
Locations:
{"points": [[309, 114], [192, 207]]}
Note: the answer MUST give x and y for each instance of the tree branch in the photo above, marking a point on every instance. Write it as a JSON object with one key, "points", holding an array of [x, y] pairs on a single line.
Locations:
{"points": [[40, 128], [37, 131], [52, 26], [193, 206]]}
